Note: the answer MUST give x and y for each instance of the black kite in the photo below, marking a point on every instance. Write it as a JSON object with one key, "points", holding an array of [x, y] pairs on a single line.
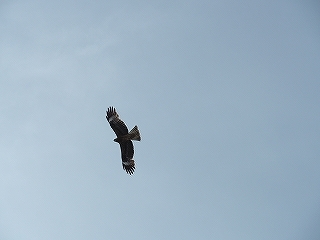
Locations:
{"points": [[124, 139]]}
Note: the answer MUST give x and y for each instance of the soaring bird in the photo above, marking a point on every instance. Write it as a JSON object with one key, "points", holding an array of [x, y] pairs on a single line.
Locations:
{"points": [[124, 139]]}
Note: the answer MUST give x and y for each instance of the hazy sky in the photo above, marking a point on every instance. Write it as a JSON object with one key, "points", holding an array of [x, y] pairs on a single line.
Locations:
{"points": [[226, 97]]}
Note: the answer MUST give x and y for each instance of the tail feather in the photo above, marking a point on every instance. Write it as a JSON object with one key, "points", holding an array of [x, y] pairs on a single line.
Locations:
{"points": [[135, 134]]}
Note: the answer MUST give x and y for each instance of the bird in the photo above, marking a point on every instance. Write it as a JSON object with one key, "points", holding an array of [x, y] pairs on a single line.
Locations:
{"points": [[124, 138]]}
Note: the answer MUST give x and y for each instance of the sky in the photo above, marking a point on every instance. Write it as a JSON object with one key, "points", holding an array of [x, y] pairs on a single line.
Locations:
{"points": [[226, 97]]}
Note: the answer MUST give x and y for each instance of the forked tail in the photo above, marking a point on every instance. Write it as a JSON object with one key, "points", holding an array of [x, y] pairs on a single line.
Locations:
{"points": [[135, 134]]}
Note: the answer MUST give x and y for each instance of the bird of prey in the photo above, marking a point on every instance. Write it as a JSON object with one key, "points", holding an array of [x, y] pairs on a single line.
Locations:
{"points": [[124, 139]]}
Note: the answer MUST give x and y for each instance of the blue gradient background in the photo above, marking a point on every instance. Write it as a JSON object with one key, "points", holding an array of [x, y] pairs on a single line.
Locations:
{"points": [[225, 94]]}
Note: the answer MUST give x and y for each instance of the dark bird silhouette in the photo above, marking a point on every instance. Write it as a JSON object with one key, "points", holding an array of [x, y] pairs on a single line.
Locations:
{"points": [[124, 139]]}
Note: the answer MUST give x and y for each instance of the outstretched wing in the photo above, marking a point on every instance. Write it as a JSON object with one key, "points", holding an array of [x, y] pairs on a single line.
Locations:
{"points": [[118, 126], [127, 156]]}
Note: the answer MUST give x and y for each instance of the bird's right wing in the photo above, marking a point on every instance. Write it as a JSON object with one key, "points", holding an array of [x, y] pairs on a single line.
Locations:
{"points": [[127, 156]]}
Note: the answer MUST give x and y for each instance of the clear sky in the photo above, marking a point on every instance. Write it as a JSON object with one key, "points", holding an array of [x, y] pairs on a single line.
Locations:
{"points": [[226, 97]]}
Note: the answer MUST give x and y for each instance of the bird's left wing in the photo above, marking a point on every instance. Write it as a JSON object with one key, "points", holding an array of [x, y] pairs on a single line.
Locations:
{"points": [[118, 126]]}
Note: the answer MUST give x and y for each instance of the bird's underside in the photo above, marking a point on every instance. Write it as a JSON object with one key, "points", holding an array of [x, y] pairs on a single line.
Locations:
{"points": [[124, 138]]}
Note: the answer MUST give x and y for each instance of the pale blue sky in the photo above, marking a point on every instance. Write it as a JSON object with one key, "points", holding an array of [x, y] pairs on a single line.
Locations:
{"points": [[225, 94]]}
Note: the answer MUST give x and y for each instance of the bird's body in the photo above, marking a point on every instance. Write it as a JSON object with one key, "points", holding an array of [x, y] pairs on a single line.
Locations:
{"points": [[134, 134], [124, 138]]}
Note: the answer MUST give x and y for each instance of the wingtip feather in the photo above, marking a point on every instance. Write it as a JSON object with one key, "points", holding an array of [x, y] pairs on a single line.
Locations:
{"points": [[129, 167]]}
